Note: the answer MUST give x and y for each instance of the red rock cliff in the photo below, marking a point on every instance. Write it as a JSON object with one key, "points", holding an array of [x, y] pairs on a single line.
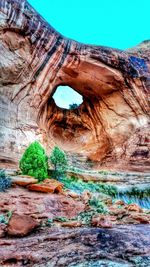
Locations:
{"points": [[111, 126]]}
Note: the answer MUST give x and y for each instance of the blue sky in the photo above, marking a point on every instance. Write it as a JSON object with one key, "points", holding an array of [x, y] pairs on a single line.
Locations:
{"points": [[116, 23]]}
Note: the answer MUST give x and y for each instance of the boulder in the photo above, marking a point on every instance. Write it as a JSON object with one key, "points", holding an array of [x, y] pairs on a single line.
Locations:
{"points": [[134, 207], [21, 225], [23, 180], [114, 210], [103, 221], [47, 186]]}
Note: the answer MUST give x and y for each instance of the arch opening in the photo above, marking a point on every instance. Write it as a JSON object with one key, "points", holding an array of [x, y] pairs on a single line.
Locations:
{"points": [[67, 98]]}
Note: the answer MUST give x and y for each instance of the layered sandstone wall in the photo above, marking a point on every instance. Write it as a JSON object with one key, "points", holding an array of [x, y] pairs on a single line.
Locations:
{"points": [[112, 124]]}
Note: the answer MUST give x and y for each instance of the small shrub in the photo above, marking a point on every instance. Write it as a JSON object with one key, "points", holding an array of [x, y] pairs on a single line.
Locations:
{"points": [[5, 219], [59, 161], [107, 189], [5, 181], [86, 216], [98, 205], [34, 162], [49, 223], [73, 106]]}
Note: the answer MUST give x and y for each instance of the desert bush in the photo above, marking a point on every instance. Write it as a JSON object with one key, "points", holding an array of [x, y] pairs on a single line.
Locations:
{"points": [[59, 162], [5, 218], [73, 106], [5, 181], [86, 216], [34, 162], [98, 205]]}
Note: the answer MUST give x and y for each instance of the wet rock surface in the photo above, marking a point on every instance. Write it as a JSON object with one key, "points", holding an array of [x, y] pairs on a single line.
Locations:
{"points": [[125, 246]]}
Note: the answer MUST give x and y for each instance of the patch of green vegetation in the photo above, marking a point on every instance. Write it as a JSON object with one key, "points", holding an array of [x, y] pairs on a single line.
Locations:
{"points": [[5, 219], [98, 205], [34, 162], [137, 192], [59, 161], [86, 216], [49, 223], [5, 181], [73, 106], [78, 185]]}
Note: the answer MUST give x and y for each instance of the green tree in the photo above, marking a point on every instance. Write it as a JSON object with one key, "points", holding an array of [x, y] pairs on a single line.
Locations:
{"points": [[73, 106], [34, 161], [59, 161]]}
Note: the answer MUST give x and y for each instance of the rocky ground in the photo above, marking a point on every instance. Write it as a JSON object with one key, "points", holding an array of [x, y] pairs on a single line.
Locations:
{"points": [[121, 246], [65, 228]]}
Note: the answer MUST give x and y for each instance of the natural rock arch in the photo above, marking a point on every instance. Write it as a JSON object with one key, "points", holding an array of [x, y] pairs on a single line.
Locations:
{"points": [[111, 125]]}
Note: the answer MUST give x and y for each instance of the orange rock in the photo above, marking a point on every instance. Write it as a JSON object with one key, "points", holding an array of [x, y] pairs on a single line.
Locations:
{"points": [[47, 186], [117, 211], [101, 221], [140, 218], [24, 180], [134, 207], [71, 224], [21, 225]]}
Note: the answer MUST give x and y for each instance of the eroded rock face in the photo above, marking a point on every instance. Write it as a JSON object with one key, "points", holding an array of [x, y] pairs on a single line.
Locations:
{"points": [[123, 246], [110, 126]]}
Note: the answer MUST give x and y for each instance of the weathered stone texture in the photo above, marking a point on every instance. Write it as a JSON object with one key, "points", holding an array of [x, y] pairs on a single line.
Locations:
{"points": [[112, 124]]}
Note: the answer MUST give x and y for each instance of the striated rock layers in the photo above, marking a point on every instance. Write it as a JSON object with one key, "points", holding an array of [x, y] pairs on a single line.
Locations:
{"points": [[110, 126], [121, 247]]}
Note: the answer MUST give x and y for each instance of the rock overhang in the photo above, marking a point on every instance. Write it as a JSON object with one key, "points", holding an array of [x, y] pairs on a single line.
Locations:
{"points": [[114, 85]]}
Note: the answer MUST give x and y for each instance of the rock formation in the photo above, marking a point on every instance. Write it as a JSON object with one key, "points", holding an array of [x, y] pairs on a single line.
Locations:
{"points": [[34, 232], [110, 126], [121, 247]]}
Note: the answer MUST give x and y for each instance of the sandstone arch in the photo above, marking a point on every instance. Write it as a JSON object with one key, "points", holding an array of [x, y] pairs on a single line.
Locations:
{"points": [[111, 126]]}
